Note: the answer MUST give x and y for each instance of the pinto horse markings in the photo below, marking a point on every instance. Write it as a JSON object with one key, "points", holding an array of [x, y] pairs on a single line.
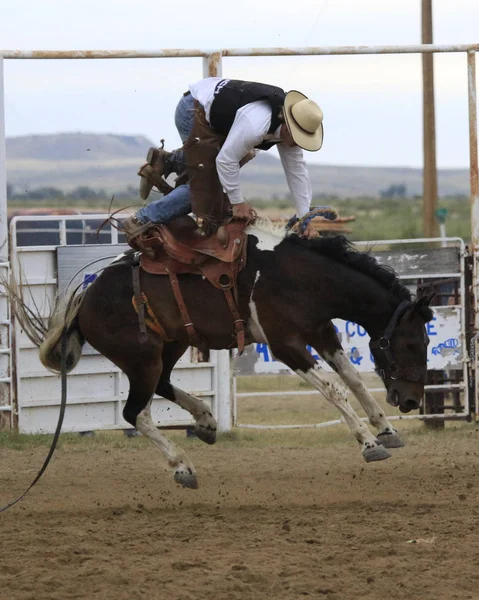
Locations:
{"points": [[288, 293]]}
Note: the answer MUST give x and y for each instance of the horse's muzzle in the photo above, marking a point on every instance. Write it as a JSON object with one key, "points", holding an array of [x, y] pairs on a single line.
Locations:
{"points": [[409, 403]]}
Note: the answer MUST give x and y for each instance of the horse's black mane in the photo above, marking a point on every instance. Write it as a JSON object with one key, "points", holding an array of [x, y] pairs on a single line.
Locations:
{"points": [[342, 250]]}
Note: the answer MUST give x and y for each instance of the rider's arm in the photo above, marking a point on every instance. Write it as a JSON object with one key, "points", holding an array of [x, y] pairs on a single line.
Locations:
{"points": [[297, 176], [248, 130]]}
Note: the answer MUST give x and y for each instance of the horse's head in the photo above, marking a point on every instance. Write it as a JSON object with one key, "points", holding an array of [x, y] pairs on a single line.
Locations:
{"points": [[401, 354]]}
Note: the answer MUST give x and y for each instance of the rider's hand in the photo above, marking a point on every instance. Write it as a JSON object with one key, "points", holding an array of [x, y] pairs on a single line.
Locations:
{"points": [[243, 211], [310, 232]]}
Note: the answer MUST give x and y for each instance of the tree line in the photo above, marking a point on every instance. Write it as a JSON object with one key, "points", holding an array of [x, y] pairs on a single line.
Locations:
{"points": [[81, 192]]}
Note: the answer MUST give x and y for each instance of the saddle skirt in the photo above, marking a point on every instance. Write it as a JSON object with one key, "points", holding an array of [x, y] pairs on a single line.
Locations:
{"points": [[179, 247]]}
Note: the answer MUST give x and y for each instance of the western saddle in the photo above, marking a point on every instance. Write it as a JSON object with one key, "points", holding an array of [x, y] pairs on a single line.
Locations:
{"points": [[179, 247]]}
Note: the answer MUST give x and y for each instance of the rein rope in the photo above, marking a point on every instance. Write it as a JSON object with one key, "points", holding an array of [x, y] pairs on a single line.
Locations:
{"points": [[317, 211], [63, 397]]}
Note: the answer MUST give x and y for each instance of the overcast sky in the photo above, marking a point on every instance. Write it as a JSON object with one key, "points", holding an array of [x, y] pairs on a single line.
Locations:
{"points": [[372, 104]]}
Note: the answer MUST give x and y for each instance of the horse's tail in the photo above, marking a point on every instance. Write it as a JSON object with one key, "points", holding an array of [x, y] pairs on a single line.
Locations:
{"points": [[63, 321], [46, 334]]}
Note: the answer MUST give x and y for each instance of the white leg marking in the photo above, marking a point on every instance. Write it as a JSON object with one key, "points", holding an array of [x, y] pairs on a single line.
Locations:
{"points": [[353, 380], [336, 394], [200, 411], [174, 454]]}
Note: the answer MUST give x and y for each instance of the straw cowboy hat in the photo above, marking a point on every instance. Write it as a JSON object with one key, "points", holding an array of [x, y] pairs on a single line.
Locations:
{"points": [[304, 120]]}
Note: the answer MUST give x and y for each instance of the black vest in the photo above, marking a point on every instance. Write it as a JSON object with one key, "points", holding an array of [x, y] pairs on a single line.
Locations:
{"points": [[233, 94]]}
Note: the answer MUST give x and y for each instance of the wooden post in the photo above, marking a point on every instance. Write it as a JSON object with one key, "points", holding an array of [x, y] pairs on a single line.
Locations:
{"points": [[429, 128]]}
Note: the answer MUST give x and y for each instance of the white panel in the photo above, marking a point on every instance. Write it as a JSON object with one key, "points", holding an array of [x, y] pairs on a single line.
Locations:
{"points": [[4, 394], [4, 365], [31, 365], [193, 379], [40, 389], [38, 266], [40, 298], [78, 417], [3, 299]]}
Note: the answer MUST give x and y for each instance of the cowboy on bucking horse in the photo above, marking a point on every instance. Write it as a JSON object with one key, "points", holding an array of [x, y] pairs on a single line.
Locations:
{"points": [[222, 124]]}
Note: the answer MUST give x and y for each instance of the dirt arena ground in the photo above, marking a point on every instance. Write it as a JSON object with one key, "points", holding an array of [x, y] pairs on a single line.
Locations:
{"points": [[272, 519]]}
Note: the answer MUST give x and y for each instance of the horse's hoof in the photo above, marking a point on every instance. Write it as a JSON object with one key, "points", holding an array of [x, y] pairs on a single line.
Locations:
{"points": [[187, 480], [390, 440], [205, 433], [375, 453]]}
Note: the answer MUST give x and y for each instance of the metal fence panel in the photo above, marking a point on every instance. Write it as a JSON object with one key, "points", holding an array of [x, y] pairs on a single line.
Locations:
{"points": [[97, 389]]}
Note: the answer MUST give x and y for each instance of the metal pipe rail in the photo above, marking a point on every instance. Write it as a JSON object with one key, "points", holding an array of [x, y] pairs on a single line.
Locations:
{"points": [[272, 51]]}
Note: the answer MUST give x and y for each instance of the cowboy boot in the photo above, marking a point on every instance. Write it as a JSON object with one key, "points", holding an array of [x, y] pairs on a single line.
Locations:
{"points": [[132, 227], [153, 171]]}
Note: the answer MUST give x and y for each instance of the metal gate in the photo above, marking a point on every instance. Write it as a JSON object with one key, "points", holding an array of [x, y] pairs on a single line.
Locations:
{"points": [[440, 263], [97, 389]]}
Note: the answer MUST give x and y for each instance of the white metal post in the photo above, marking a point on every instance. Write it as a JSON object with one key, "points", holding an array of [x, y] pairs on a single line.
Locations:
{"points": [[212, 65], [472, 104], [3, 175], [223, 407], [5, 345]]}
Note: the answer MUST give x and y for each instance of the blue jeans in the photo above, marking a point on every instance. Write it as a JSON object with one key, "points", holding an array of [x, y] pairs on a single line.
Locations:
{"points": [[177, 202]]}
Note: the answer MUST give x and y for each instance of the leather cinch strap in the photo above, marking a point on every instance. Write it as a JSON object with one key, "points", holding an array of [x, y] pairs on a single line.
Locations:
{"points": [[238, 321], [194, 338], [138, 302]]}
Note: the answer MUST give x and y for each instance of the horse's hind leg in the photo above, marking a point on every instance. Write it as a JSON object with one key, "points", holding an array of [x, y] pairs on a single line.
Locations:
{"points": [[143, 381], [205, 425], [327, 344]]}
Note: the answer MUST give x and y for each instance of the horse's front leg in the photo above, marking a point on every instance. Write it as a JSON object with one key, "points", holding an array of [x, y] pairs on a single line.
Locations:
{"points": [[295, 355], [328, 346]]}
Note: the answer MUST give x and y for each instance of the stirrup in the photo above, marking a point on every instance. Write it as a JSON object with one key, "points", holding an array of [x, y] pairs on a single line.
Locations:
{"points": [[132, 227]]}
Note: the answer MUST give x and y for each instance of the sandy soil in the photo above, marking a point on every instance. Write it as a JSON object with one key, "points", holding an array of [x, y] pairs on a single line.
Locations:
{"points": [[280, 523]]}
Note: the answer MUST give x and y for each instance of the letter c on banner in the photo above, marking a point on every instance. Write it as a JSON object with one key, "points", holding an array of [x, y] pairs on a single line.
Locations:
{"points": [[348, 333]]}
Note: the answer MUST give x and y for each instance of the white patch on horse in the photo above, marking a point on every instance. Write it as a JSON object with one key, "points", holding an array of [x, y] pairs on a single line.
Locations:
{"points": [[269, 234], [253, 321], [336, 393], [122, 256], [118, 258]]}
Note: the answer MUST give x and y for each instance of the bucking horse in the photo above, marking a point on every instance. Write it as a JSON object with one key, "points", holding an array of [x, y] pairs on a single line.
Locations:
{"points": [[286, 293]]}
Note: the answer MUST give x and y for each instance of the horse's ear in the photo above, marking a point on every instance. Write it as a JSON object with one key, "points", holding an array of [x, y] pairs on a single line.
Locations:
{"points": [[425, 301], [422, 306]]}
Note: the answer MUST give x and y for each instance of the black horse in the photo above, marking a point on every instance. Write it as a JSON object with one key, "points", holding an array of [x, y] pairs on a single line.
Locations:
{"points": [[288, 293]]}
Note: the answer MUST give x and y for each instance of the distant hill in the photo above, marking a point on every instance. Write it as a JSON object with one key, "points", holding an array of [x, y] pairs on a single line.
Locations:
{"points": [[110, 162]]}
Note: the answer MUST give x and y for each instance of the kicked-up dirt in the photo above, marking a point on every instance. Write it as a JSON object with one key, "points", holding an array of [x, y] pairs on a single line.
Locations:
{"points": [[267, 523]]}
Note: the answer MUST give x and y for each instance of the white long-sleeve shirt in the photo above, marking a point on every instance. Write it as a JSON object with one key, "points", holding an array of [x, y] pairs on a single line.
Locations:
{"points": [[250, 129]]}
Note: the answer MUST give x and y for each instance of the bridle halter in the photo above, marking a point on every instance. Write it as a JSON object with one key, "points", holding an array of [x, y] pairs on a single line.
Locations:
{"points": [[394, 370]]}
